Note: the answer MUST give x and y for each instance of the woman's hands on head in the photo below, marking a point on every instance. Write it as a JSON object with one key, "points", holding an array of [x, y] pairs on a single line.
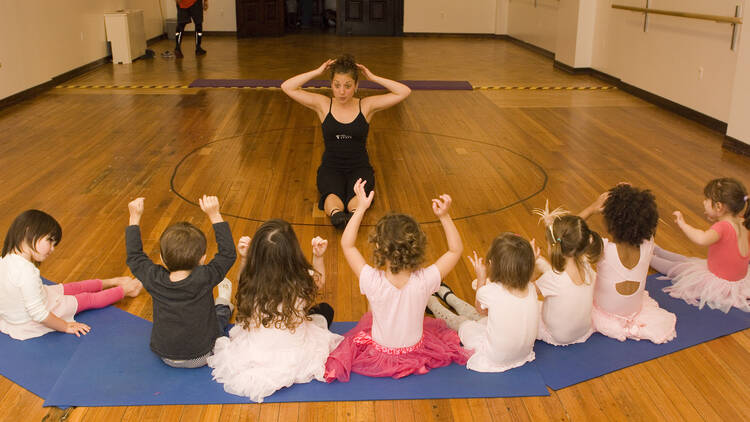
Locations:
{"points": [[322, 68], [365, 71]]}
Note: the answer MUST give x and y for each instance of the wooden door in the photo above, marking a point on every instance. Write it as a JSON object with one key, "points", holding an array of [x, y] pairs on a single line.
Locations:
{"points": [[260, 17], [369, 17]]}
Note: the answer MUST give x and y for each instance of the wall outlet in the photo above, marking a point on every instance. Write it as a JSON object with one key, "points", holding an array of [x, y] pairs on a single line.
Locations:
{"points": [[700, 73]]}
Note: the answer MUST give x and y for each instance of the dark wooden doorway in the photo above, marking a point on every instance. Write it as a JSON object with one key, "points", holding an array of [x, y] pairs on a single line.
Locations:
{"points": [[260, 17], [370, 17]]}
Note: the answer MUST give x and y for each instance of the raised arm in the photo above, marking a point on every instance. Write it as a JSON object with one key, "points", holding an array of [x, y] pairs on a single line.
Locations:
{"points": [[351, 253], [449, 259], [373, 104], [293, 88], [697, 236], [319, 246], [596, 206], [243, 246], [480, 270], [227, 254]]}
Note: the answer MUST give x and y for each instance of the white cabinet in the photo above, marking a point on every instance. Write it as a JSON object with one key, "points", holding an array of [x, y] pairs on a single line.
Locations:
{"points": [[126, 32]]}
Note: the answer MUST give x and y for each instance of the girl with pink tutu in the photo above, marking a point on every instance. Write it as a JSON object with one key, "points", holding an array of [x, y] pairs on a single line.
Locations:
{"points": [[720, 281], [622, 307], [395, 339], [502, 324], [568, 283], [280, 337]]}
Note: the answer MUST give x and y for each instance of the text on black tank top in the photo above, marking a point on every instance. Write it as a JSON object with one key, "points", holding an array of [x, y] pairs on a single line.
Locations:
{"points": [[346, 143]]}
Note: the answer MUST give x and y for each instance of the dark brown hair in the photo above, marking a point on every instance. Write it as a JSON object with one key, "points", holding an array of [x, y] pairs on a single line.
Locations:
{"points": [[276, 288], [511, 261], [400, 241], [630, 214], [182, 245], [345, 64], [732, 193], [573, 238], [29, 227]]}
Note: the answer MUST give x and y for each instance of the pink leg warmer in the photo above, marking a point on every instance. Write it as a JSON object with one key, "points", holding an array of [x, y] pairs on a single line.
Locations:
{"points": [[72, 289], [100, 299]]}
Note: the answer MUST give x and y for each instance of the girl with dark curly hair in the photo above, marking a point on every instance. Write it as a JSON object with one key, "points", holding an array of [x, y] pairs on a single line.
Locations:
{"points": [[567, 281], [280, 337], [622, 307], [345, 121], [722, 280], [395, 339]]}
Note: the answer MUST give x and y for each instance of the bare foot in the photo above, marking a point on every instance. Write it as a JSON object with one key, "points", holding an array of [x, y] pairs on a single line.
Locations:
{"points": [[114, 282], [132, 287]]}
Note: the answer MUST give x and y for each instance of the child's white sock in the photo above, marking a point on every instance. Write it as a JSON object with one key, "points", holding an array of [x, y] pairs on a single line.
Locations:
{"points": [[454, 321], [225, 294]]}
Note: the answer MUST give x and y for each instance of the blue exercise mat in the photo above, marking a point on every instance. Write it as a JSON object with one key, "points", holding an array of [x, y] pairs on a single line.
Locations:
{"points": [[115, 367], [563, 366]]}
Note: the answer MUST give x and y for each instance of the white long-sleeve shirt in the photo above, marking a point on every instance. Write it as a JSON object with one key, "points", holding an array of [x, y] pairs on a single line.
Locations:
{"points": [[23, 297]]}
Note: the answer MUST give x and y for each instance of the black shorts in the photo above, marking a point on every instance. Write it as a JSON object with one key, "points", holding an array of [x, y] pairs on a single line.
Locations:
{"points": [[195, 12], [341, 182]]}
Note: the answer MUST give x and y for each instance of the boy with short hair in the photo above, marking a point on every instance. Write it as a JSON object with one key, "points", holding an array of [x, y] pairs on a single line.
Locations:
{"points": [[187, 320]]}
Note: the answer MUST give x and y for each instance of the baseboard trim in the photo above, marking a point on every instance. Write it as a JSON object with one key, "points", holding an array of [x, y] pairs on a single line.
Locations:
{"points": [[162, 36], [56, 80], [736, 146], [528, 46], [448, 35]]}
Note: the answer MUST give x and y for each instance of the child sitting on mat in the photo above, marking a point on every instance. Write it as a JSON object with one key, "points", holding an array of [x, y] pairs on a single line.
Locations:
{"points": [[187, 320], [280, 337], [622, 306], [722, 280], [568, 284], [395, 339], [29, 308], [504, 338]]}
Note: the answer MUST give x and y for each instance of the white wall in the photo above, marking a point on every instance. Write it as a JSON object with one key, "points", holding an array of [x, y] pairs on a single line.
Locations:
{"points": [[534, 21], [739, 114], [450, 16], [666, 60]]}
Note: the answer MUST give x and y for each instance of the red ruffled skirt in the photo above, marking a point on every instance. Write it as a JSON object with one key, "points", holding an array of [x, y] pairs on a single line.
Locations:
{"points": [[359, 353]]}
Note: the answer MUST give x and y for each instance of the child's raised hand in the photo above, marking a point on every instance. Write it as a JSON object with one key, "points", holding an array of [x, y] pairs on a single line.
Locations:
{"points": [[440, 206], [135, 207], [678, 218], [599, 203], [77, 328], [319, 246], [479, 269], [210, 205], [243, 246], [363, 200], [536, 249]]}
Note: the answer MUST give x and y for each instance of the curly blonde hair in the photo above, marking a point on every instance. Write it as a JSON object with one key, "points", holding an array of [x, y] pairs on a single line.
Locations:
{"points": [[399, 242]]}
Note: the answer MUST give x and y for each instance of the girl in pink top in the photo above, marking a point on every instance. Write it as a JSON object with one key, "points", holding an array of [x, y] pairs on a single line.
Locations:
{"points": [[567, 284], [395, 339], [720, 281], [622, 307]]}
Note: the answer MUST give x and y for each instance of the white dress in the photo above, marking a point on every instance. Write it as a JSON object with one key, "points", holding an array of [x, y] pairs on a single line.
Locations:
{"points": [[566, 311], [505, 338], [257, 362]]}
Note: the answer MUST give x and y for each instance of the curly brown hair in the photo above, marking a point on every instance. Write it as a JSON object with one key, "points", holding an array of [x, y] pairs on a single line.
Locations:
{"points": [[399, 242], [277, 286], [573, 238], [511, 261], [345, 64], [732, 193], [630, 214]]}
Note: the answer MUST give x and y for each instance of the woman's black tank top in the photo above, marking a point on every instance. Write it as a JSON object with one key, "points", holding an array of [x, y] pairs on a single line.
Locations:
{"points": [[346, 143]]}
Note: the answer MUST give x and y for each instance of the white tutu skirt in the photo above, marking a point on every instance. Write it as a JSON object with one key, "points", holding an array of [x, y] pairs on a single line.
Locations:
{"points": [[255, 363], [696, 285], [650, 323]]}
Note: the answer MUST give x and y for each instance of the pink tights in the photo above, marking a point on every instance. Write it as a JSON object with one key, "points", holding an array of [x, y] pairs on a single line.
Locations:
{"points": [[90, 295]]}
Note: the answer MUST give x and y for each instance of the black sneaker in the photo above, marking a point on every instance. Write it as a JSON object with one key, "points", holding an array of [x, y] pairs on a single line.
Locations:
{"points": [[178, 53], [199, 51]]}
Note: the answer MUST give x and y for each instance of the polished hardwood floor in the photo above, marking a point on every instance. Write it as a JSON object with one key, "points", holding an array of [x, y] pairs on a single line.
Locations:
{"points": [[82, 154]]}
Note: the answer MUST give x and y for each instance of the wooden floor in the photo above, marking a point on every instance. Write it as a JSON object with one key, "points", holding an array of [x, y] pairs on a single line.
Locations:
{"points": [[82, 154]]}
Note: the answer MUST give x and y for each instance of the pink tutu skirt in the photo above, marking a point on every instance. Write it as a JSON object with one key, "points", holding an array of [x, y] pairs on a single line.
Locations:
{"points": [[696, 285], [650, 323], [358, 353]]}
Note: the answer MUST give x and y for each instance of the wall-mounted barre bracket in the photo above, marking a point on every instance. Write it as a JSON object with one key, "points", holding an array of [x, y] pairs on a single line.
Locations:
{"points": [[733, 20]]}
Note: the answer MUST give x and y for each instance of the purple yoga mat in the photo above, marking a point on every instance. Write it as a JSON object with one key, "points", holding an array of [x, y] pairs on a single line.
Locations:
{"points": [[276, 83]]}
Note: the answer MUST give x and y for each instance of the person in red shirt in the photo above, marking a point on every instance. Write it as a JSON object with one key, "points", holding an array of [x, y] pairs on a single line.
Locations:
{"points": [[187, 10]]}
